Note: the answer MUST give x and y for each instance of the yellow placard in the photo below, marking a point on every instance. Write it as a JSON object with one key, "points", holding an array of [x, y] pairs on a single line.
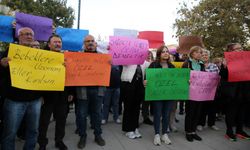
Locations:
{"points": [[36, 69], [177, 64]]}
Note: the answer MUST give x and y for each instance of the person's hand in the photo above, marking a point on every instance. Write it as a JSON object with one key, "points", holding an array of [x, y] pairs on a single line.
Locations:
{"points": [[224, 62], [14, 24], [70, 98], [5, 61], [145, 83]]}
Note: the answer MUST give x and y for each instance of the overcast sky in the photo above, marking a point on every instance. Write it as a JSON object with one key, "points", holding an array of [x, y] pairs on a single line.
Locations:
{"points": [[100, 17]]}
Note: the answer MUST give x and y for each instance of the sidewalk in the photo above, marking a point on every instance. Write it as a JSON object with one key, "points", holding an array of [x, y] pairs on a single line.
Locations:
{"points": [[116, 140]]}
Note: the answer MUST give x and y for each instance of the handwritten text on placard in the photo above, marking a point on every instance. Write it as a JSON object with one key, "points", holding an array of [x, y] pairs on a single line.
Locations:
{"points": [[167, 84], [128, 51], [35, 69], [87, 69], [203, 85]]}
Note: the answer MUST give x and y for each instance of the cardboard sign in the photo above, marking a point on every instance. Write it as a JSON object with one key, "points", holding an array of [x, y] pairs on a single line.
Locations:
{"points": [[6, 29], [238, 64], [87, 69], [36, 69], [72, 39], [177, 64], [41, 26], [155, 38], [128, 51], [125, 32], [203, 85], [167, 84], [186, 42]]}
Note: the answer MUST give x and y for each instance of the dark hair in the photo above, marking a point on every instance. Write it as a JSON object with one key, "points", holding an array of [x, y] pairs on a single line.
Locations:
{"points": [[53, 35], [151, 55], [158, 53], [230, 46]]}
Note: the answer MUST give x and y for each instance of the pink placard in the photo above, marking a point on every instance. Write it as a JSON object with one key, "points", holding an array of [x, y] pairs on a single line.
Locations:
{"points": [[203, 85], [128, 51]]}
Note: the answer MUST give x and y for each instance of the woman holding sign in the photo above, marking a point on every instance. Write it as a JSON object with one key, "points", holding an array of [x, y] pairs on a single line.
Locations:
{"points": [[209, 107], [193, 108], [235, 95], [161, 108]]}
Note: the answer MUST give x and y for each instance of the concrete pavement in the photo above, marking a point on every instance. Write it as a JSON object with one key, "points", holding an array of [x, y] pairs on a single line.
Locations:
{"points": [[116, 140]]}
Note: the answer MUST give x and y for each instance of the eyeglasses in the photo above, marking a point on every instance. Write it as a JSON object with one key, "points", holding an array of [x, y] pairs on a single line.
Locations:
{"points": [[27, 34], [237, 49], [88, 41]]}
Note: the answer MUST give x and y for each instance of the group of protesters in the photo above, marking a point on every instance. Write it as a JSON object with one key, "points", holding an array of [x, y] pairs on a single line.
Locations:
{"points": [[31, 111]]}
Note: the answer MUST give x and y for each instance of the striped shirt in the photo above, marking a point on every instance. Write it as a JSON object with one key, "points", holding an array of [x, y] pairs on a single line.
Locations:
{"points": [[211, 67]]}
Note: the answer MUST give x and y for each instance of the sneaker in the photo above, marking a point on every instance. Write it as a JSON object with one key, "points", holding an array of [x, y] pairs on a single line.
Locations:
{"points": [[181, 113], [118, 121], [137, 133], [61, 146], [231, 136], [189, 137], [82, 143], [243, 135], [130, 135], [103, 122], [100, 141], [214, 127], [157, 140], [196, 137], [148, 121], [199, 128], [173, 129], [165, 139]]}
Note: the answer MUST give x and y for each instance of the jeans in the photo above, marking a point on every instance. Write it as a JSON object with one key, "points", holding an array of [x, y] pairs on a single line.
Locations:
{"points": [[91, 106], [111, 97], [161, 109], [14, 112]]}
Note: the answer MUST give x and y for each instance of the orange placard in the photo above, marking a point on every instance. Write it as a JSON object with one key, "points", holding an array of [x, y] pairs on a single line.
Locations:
{"points": [[87, 69]]}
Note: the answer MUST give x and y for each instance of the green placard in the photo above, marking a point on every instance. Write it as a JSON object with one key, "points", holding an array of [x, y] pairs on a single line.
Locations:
{"points": [[167, 84]]}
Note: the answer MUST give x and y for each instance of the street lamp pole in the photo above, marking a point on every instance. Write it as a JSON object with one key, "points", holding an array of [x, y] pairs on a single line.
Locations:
{"points": [[79, 14]]}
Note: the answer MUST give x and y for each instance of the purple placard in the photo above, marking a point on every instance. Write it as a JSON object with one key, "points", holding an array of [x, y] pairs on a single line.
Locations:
{"points": [[203, 85], [128, 51], [41, 26]]}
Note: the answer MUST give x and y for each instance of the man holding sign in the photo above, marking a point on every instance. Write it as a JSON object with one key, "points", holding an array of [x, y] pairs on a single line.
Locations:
{"points": [[55, 102], [19, 104], [89, 101]]}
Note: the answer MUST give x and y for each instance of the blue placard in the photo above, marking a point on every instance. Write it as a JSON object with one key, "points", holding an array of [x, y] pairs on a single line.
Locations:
{"points": [[6, 30], [72, 39]]}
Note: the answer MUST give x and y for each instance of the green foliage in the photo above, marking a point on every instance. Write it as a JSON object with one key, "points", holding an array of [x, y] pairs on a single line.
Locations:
{"points": [[218, 22], [55, 9]]}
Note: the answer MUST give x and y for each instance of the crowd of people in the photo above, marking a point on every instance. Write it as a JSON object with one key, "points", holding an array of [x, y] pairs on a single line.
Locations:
{"points": [[31, 111]]}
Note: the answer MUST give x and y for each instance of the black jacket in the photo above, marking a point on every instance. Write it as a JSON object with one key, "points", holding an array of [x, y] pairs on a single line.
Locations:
{"points": [[13, 93]]}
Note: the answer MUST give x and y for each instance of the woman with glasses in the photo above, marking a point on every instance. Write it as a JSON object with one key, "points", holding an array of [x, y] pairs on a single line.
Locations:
{"points": [[235, 95]]}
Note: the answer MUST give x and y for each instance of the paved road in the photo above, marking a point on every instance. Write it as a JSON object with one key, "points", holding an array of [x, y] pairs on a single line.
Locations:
{"points": [[116, 140]]}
